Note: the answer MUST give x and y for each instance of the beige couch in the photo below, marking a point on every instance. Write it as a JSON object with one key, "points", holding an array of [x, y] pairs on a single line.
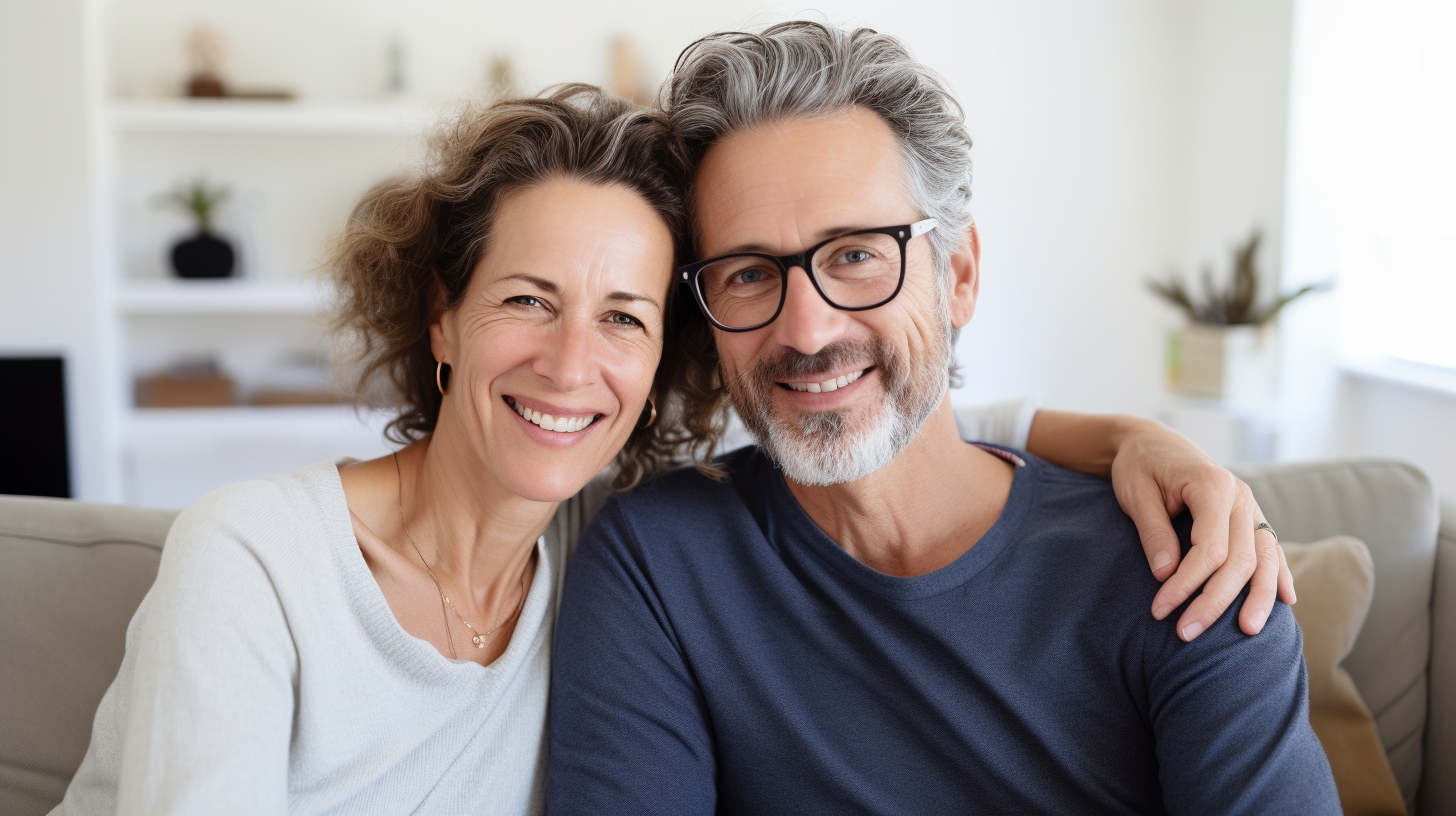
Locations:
{"points": [[71, 574]]}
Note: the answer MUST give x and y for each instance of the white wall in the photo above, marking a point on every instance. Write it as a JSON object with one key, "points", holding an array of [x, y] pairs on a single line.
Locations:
{"points": [[48, 206]]}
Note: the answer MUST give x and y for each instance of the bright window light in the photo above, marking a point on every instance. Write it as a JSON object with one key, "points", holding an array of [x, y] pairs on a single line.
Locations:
{"points": [[1397, 247]]}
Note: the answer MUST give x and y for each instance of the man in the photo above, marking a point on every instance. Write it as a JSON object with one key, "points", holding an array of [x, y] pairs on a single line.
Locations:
{"points": [[868, 614]]}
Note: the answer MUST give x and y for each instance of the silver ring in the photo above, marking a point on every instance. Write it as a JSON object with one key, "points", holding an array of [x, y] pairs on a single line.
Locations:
{"points": [[1264, 525]]}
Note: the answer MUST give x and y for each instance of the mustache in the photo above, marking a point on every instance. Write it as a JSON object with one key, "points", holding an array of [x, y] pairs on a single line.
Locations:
{"points": [[833, 357]]}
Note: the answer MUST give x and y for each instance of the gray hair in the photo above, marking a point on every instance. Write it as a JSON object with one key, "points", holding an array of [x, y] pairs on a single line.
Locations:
{"points": [[734, 81]]}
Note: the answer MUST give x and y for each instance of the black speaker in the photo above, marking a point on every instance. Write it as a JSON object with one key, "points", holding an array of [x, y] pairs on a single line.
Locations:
{"points": [[34, 457]]}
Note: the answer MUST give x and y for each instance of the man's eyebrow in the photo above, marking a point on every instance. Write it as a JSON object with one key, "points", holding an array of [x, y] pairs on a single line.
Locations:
{"points": [[821, 235], [549, 286]]}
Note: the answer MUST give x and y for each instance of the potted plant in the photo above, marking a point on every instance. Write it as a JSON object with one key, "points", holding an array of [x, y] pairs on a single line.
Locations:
{"points": [[1228, 350], [204, 255]]}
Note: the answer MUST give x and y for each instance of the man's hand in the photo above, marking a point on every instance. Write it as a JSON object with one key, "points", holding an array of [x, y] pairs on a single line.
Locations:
{"points": [[1156, 474]]}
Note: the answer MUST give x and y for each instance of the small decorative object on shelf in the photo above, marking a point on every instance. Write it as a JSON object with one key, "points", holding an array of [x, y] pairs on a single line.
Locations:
{"points": [[300, 378], [205, 49], [500, 78], [628, 80], [395, 80], [1228, 353], [186, 384], [204, 255]]}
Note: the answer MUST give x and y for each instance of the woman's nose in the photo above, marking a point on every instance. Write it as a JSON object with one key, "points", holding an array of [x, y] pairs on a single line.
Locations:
{"points": [[568, 359]]}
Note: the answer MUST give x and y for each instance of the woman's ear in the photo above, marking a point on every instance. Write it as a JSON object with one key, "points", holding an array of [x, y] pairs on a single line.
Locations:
{"points": [[965, 278], [439, 315]]}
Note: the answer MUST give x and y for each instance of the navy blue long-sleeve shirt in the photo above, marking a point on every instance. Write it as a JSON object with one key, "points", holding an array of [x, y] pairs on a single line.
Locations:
{"points": [[717, 652]]}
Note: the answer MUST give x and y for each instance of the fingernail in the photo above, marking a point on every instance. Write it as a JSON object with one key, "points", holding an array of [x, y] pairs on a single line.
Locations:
{"points": [[1192, 631], [1161, 560], [1162, 611], [1293, 596]]}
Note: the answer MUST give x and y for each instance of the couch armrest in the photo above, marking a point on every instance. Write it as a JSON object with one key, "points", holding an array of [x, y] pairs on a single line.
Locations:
{"points": [[71, 575]]}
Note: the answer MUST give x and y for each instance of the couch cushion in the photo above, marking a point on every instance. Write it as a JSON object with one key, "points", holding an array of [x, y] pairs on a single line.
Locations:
{"points": [[1336, 581], [1390, 506], [71, 575]]}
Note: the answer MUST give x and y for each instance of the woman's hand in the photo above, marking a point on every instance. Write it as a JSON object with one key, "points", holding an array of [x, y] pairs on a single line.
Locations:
{"points": [[1157, 474]]}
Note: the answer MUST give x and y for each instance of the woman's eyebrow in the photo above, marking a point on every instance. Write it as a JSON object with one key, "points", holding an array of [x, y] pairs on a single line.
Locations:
{"points": [[632, 297], [539, 283], [549, 286]]}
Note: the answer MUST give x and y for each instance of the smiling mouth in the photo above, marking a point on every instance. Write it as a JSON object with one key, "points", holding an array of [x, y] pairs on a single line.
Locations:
{"points": [[547, 422], [828, 385]]}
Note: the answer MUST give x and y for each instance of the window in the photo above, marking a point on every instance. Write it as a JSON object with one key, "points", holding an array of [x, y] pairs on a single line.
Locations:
{"points": [[1397, 242]]}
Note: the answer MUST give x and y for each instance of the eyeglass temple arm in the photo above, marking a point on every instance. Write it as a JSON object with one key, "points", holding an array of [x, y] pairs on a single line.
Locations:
{"points": [[921, 227]]}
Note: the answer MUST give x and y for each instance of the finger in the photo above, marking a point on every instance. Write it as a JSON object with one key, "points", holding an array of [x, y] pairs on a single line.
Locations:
{"points": [[1286, 580], [1144, 504], [1264, 585], [1211, 509], [1228, 580]]}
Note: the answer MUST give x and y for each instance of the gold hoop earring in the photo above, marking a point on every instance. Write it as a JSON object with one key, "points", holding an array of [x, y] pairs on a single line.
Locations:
{"points": [[439, 364], [653, 418]]}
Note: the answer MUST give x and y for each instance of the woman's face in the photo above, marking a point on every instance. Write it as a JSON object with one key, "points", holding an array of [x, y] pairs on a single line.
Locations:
{"points": [[563, 318]]}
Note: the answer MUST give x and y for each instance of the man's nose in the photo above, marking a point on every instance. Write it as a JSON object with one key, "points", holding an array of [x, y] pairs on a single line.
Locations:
{"points": [[807, 323], [568, 358]]}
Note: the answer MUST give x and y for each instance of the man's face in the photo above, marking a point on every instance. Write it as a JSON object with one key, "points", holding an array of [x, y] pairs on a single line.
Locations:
{"points": [[780, 189]]}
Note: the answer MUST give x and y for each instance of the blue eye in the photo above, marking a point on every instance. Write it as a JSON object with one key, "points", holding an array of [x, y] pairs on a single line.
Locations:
{"points": [[856, 256], [750, 276]]}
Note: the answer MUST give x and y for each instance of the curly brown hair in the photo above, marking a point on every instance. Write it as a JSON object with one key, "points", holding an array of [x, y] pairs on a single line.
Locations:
{"points": [[414, 241]]}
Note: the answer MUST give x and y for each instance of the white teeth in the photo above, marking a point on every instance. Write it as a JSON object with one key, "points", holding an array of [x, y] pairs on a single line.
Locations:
{"points": [[828, 385], [550, 423]]}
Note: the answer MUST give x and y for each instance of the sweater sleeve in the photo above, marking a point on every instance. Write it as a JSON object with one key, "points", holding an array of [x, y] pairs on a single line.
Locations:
{"points": [[1005, 423], [199, 718], [1230, 717], [629, 729]]}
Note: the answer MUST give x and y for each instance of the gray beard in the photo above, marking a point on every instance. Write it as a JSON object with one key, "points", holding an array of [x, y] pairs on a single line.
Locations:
{"points": [[831, 447]]}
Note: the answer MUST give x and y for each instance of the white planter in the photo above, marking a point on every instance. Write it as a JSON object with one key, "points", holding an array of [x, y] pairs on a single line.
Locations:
{"points": [[1230, 363]]}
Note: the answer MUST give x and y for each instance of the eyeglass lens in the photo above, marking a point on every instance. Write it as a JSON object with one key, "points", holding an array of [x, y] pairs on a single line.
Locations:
{"points": [[853, 271]]}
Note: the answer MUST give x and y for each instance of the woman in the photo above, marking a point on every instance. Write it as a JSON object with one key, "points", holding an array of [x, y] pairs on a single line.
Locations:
{"points": [[374, 636]]}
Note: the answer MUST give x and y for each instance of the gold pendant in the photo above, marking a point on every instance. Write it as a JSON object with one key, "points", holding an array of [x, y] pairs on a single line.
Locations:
{"points": [[479, 641]]}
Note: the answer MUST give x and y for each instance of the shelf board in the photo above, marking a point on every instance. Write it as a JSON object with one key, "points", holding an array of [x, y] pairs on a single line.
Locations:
{"points": [[168, 116], [222, 297]]}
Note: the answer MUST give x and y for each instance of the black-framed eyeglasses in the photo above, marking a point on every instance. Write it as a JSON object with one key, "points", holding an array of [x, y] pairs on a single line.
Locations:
{"points": [[859, 270]]}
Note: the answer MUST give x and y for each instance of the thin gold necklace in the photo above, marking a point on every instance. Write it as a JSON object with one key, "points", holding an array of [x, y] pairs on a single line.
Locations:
{"points": [[478, 638]]}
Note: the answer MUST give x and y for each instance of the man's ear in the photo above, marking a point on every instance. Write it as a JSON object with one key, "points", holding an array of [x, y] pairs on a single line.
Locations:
{"points": [[965, 278]]}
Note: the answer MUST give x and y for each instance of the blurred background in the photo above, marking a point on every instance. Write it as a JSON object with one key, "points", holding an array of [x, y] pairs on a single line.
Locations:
{"points": [[171, 172]]}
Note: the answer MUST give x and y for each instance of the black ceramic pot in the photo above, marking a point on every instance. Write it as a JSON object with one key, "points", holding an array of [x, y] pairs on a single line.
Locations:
{"points": [[204, 255]]}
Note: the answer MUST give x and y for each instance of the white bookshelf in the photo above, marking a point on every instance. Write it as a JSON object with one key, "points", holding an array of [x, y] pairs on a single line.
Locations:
{"points": [[295, 170]]}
